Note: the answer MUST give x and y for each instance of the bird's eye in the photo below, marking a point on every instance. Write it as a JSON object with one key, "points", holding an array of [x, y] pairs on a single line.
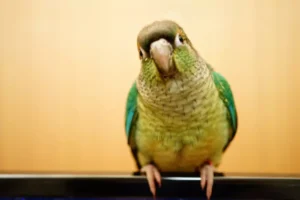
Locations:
{"points": [[142, 53], [179, 40]]}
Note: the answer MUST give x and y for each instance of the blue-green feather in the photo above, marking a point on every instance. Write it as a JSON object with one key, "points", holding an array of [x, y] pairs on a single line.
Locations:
{"points": [[131, 117], [131, 105], [226, 95]]}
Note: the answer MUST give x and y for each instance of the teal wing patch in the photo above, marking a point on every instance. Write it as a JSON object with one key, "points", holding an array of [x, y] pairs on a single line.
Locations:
{"points": [[228, 99], [131, 105], [131, 117]]}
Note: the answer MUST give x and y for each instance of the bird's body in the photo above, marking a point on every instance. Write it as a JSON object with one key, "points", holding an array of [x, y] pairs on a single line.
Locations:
{"points": [[180, 112], [183, 125]]}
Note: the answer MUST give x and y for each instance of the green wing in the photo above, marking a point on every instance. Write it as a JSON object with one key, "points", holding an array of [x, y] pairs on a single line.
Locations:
{"points": [[131, 117], [228, 99]]}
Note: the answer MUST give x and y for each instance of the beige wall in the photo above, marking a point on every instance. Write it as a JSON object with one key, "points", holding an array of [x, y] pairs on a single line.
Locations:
{"points": [[66, 67]]}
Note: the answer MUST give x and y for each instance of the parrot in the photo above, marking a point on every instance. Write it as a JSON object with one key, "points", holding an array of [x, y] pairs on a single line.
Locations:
{"points": [[180, 112]]}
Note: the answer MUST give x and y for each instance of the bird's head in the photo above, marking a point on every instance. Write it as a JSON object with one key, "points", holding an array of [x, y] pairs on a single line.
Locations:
{"points": [[165, 51]]}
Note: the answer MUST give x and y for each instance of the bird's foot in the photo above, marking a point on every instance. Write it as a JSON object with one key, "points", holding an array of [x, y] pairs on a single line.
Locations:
{"points": [[207, 178], [153, 175]]}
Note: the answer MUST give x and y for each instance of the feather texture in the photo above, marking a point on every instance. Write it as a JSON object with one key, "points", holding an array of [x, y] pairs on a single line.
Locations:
{"points": [[178, 122], [181, 125], [225, 94]]}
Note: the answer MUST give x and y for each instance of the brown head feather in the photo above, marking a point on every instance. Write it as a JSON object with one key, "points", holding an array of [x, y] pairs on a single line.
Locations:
{"points": [[166, 29]]}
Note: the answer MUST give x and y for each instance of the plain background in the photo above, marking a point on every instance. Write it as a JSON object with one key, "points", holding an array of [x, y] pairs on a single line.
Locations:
{"points": [[66, 67]]}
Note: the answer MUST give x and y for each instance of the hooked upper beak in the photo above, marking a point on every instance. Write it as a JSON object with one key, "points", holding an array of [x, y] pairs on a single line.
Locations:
{"points": [[161, 52]]}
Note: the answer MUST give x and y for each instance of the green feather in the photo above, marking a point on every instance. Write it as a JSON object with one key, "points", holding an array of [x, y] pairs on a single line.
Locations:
{"points": [[130, 120], [228, 99], [131, 106]]}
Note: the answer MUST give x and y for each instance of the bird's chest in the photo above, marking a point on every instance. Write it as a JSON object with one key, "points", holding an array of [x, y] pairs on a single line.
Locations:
{"points": [[182, 140]]}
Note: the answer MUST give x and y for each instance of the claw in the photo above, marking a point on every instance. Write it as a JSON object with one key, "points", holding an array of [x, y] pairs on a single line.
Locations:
{"points": [[153, 175], [207, 178]]}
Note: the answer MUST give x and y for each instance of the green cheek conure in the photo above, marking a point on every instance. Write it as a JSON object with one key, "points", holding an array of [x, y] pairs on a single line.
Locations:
{"points": [[180, 112]]}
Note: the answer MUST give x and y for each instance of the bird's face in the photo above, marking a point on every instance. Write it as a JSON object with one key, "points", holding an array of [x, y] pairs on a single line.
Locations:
{"points": [[165, 52]]}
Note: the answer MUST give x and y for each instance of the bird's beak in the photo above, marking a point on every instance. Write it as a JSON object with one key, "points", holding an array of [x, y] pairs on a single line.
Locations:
{"points": [[161, 52]]}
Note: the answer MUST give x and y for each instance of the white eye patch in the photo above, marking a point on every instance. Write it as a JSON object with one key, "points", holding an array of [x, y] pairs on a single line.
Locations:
{"points": [[142, 53], [178, 40]]}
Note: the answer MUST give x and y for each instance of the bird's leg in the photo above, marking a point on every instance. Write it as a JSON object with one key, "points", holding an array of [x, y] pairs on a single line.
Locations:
{"points": [[153, 175], [207, 178]]}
